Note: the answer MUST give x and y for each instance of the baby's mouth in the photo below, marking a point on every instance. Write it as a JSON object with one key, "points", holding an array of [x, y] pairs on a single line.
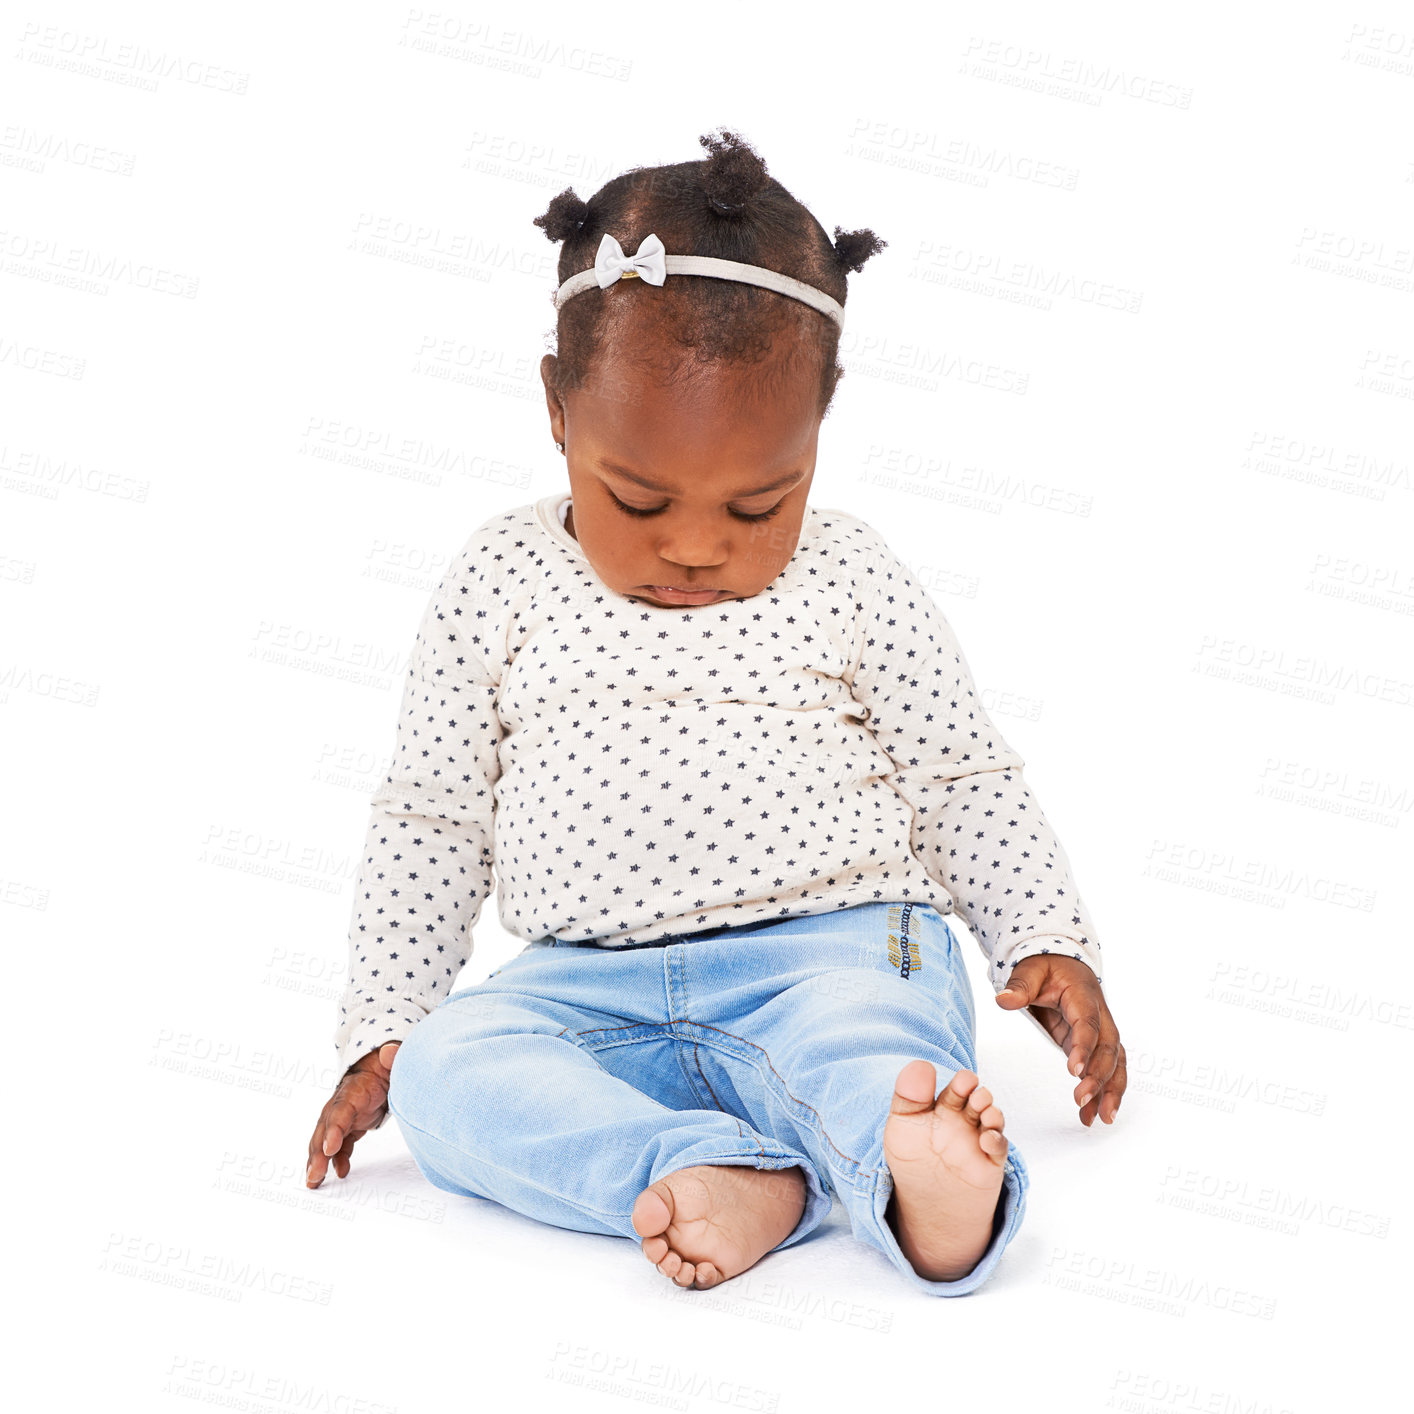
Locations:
{"points": [[672, 595]]}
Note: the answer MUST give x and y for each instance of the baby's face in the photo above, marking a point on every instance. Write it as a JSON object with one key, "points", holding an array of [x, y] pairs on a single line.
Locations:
{"points": [[717, 453]]}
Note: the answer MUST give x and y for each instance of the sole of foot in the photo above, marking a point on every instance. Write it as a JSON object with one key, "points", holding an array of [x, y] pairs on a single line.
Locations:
{"points": [[947, 1157], [707, 1223]]}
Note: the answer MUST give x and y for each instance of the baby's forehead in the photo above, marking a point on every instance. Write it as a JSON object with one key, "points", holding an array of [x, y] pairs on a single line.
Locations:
{"points": [[649, 348], [636, 395]]}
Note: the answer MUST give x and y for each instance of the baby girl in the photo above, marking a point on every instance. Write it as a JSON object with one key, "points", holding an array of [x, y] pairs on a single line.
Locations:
{"points": [[730, 806]]}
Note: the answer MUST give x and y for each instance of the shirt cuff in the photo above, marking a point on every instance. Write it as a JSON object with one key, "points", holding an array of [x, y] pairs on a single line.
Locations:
{"points": [[367, 1027], [1081, 949]]}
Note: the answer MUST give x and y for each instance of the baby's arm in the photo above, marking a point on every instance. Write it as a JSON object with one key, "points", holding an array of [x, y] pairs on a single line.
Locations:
{"points": [[426, 866], [977, 827]]}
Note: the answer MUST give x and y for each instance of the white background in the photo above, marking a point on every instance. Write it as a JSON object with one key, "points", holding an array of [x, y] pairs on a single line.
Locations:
{"points": [[1131, 386]]}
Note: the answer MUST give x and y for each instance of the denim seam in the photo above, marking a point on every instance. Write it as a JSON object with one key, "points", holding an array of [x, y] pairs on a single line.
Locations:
{"points": [[727, 1050], [672, 967], [577, 1036], [697, 1061]]}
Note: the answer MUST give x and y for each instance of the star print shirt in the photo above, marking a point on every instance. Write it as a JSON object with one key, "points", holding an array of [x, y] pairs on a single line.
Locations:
{"points": [[632, 773]]}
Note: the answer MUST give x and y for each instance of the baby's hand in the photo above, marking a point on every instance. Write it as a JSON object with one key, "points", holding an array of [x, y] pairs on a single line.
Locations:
{"points": [[358, 1104], [1065, 997]]}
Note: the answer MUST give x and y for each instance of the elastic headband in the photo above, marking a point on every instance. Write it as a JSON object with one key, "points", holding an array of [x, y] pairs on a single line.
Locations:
{"points": [[651, 263]]}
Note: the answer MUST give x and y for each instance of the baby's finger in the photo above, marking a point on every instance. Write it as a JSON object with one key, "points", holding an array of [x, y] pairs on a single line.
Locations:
{"points": [[1080, 1006], [1114, 1090], [1095, 1098], [318, 1164], [343, 1160], [1102, 1061], [341, 1116]]}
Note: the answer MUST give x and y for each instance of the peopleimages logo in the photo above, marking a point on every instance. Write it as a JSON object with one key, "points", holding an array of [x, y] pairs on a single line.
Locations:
{"points": [[904, 950]]}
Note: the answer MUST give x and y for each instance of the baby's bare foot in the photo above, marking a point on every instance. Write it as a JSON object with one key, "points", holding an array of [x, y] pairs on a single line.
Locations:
{"points": [[947, 1158], [709, 1222]]}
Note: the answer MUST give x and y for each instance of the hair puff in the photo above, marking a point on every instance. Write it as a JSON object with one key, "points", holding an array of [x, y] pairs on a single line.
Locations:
{"points": [[733, 174], [564, 216], [853, 248]]}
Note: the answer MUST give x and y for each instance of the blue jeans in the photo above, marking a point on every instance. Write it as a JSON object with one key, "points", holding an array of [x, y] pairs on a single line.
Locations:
{"points": [[575, 1076]]}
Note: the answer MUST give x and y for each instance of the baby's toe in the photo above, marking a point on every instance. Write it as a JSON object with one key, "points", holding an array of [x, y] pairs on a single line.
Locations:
{"points": [[670, 1265], [978, 1100], [655, 1249], [685, 1274], [651, 1213], [955, 1092]]}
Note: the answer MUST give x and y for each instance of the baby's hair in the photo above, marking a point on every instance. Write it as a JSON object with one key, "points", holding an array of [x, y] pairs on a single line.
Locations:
{"points": [[724, 205]]}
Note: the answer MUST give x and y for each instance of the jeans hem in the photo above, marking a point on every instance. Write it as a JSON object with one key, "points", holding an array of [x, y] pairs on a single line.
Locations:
{"points": [[875, 1202]]}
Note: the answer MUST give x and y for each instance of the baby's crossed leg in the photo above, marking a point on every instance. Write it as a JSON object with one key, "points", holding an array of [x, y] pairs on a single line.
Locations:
{"points": [[714, 1142], [496, 1098]]}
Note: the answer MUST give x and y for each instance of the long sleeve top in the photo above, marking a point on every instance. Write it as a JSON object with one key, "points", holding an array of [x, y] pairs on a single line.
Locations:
{"points": [[632, 773]]}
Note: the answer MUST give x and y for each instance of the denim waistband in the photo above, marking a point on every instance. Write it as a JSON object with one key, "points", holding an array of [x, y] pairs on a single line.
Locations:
{"points": [[671, 939]]}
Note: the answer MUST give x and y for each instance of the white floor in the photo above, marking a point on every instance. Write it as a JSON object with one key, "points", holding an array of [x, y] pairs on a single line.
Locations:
{"points": [[200, 1269]]}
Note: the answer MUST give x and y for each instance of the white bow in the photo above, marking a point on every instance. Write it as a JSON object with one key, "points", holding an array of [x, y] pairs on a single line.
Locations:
{"points": [[649, 263]]}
